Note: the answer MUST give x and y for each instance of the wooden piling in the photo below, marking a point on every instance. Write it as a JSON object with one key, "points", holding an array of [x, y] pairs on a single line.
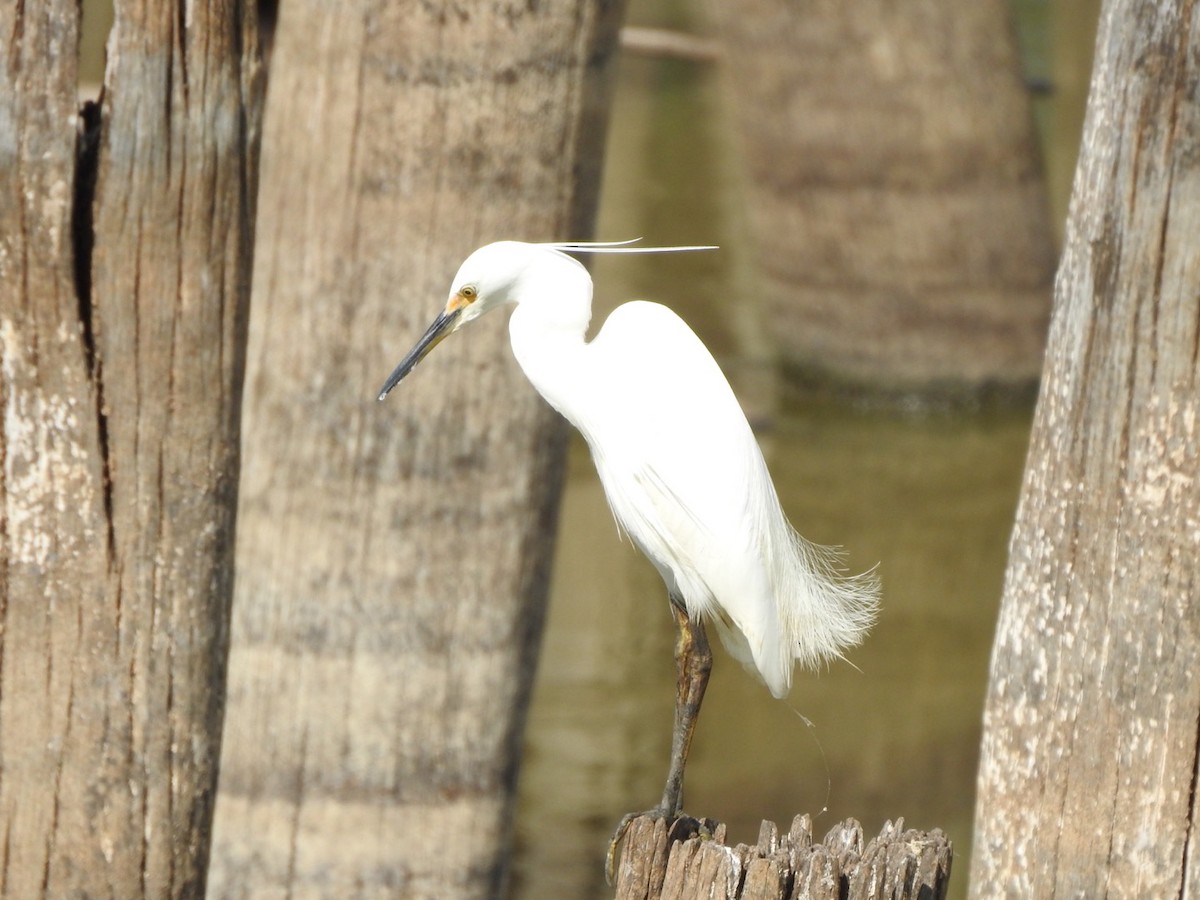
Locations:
{"points": [[691, 859]]}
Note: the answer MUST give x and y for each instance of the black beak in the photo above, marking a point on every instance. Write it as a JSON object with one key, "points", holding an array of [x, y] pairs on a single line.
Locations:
{"points": [[433, 336]]}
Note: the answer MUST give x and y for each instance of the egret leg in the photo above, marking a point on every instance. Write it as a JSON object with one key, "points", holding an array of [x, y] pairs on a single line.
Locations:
{"points": [[693, 663]]}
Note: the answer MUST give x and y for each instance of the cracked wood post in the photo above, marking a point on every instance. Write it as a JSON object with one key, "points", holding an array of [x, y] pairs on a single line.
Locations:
{"points": [[692, 861], [1087, 781], [393, 558], [124, 273]]}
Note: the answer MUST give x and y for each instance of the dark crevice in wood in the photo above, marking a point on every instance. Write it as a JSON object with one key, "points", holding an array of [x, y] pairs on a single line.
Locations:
{"points": [[83, 237], [182, 37], [18, 31], [1195, 346], [268, 15], [1189, 834], [82, 231]]}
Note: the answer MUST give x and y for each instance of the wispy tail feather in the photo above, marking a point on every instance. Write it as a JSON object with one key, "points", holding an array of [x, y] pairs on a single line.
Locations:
{"points": [[822, 611]]}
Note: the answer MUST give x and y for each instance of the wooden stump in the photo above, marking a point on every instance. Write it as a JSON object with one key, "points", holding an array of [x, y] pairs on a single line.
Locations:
{"points": [[691, 859]]}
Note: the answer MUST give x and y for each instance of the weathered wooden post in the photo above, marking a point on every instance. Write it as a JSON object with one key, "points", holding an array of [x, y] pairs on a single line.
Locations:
{"points": [[393, 558], [691, 860], [1087, 784], [125, 247]]}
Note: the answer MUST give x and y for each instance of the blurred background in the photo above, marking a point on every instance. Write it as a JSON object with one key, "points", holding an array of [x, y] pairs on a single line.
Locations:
{"points": [[926, 492]]}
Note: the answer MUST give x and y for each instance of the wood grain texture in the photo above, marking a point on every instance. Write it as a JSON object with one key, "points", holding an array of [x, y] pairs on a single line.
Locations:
{"points": [[53, 568], [894, 192], [124, 274], [393, 558], [1087, 784], [691, 860]]}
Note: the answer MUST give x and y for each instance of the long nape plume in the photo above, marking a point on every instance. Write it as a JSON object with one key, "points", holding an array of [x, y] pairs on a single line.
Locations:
{"points": [[616, 247]]}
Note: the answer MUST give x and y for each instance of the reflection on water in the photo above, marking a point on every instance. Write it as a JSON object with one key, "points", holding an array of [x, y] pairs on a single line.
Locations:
{"points": [[930, 500]]}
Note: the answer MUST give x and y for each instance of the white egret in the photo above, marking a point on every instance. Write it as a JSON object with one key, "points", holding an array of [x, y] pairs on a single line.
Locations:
{"points": [[680, 467]]}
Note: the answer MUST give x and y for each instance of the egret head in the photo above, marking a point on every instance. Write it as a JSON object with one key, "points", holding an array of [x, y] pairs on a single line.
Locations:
{"points": [[486, 279], [512, 271], [494, 275]]}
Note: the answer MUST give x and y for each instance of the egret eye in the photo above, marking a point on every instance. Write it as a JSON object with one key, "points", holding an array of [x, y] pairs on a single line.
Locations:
{"points": [[469, 293]]}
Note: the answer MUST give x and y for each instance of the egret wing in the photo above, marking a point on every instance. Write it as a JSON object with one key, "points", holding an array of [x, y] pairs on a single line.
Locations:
{"points": [[679, 462], [686, 479]]}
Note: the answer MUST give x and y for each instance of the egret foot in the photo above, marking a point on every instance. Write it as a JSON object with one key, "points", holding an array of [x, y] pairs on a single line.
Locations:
{"points": [[680, 827]]}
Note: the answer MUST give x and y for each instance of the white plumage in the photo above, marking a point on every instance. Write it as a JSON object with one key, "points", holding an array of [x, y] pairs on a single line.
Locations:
{"points": [[681, 469], [680, 466]]}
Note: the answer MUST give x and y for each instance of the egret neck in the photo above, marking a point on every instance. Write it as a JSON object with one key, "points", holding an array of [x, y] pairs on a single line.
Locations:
{"points": [[548, 332]]}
